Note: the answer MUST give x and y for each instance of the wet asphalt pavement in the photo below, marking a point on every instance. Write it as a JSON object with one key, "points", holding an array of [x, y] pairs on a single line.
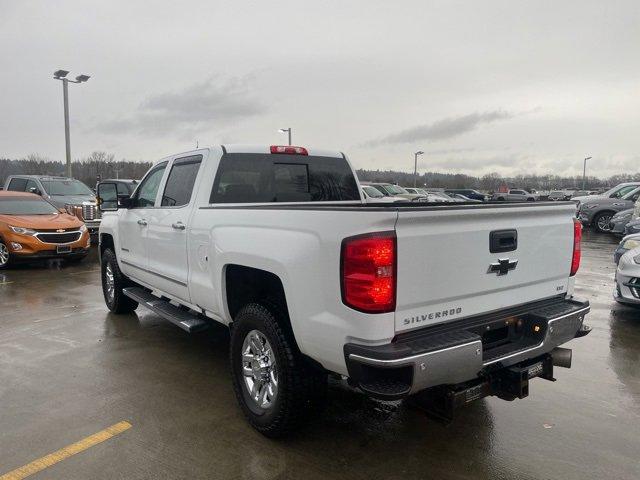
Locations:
{"points": [[69, 369]]}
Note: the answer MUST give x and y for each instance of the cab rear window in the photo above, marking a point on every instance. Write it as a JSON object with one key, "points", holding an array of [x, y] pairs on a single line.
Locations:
{"points": [[265, 178]]}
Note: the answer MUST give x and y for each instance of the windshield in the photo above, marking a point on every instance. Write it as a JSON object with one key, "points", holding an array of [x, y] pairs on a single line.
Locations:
{"points": [[395, 190], [25, 206], [66, 187], [372, 192]]}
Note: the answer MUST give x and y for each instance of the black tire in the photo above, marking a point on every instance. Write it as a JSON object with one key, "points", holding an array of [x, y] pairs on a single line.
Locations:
{"points": [[300, 387], [116, 301], [601, 222], [5, 255], [500, 199], [530, 199]]}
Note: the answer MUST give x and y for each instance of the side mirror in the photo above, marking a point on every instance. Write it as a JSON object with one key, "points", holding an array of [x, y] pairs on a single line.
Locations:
{"points": [[35, 190], [107, 197]]}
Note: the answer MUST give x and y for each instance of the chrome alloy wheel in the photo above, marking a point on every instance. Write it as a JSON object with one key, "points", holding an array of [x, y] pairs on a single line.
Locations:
{"points": [[109, 282], [604, 223], [4, 255], [259, 369]]}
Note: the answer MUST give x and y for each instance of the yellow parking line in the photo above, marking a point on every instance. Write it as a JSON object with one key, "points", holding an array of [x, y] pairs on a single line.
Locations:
{"points": [[5, 283], [66, 452]]}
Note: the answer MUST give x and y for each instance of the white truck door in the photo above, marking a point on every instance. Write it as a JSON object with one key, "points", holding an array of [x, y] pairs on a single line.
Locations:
{"points": [[167, 230], [133, 225]]}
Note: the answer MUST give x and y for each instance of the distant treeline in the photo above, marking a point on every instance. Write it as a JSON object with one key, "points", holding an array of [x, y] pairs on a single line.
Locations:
{"points": [[491, 181], [86, 169], [104, 165]]}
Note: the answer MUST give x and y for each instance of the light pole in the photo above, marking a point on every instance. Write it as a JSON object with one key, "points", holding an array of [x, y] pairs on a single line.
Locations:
{"points": [[286, 130], [584, 172], [62, 75], [415, 167]]}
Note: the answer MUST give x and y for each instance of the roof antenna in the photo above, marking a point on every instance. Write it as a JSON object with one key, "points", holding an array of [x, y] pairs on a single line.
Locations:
{"points": [[197, 144]]}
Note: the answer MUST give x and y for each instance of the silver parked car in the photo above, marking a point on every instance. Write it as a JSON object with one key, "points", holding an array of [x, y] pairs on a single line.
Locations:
{"points": [[627, 289], [620, 220], [627, 243]]}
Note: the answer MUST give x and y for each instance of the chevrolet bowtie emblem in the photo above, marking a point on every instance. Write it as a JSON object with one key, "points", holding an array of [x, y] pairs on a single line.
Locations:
{"points": [[60, 230], [503, 266]]}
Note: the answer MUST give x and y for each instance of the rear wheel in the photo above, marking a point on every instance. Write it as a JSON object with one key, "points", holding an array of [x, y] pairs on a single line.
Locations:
{"points": [[5, 257], [602, 222], [113, 281], [274, 386]]}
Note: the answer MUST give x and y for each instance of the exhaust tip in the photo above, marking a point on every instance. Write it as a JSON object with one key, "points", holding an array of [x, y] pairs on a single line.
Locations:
{"points": [[561, 357]]}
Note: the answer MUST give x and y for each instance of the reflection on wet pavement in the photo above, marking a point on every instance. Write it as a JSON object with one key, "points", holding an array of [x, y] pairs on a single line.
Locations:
{"points": [[68, 368]]}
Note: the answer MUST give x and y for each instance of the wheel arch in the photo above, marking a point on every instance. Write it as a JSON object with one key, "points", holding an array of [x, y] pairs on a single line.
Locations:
{"points": [[244, 285], [106, 241]]}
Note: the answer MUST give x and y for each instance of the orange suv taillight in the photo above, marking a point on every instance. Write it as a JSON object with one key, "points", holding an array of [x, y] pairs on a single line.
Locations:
{"points": [[368, 271]]}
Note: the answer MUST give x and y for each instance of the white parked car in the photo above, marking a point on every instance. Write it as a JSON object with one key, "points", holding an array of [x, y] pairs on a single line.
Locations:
{"points": [[627, 289], [278, 244], [373, 195]]}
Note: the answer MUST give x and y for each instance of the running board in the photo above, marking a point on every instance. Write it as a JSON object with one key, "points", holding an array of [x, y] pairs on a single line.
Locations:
{"points": [[184, 319]]}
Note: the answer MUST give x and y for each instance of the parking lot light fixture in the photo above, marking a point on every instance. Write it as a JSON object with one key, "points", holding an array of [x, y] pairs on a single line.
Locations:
{"points": [[62, 76], [584, 172], [415, 167], [286, 130]]}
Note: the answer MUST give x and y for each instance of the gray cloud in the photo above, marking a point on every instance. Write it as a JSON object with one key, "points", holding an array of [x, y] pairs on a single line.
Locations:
{"points": [[213, 102], [443, 129]]}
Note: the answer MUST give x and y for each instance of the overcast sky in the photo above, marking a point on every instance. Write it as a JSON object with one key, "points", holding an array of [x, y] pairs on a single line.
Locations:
{"points": [[512, 87]]}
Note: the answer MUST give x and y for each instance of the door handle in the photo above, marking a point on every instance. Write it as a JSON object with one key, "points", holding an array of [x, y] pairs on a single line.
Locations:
{"points": [[142, 222], [178, 226]]}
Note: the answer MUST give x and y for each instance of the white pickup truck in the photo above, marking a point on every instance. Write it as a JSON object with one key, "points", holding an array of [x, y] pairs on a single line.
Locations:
{"points": [[449, 302]]}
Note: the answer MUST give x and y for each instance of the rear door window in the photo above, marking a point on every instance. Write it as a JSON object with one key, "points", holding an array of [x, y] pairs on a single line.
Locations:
{"points": [[179, 187], [265, 178]]}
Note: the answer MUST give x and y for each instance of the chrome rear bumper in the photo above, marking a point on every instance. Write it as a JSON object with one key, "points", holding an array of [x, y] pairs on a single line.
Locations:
{"points": [[452, 354]]}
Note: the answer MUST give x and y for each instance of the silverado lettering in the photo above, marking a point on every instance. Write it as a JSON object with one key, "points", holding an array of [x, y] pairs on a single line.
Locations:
{"points": [[433, 315]]}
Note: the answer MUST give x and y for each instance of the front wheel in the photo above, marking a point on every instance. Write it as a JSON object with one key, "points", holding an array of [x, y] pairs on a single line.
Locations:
{"points": [[113, 281], [273, 385], [5, 257], [602, 222]]}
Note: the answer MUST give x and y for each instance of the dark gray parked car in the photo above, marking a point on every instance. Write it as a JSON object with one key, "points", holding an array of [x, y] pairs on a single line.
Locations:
{"points": [[598, 210]]}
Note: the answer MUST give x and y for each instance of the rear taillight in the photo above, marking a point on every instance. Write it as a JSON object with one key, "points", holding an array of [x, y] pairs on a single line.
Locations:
{"points": [[369, 272], [289, 150], [577, 239]]}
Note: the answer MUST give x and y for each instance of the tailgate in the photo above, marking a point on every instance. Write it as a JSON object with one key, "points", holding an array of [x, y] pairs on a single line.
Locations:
{"points": [[445, 264]]}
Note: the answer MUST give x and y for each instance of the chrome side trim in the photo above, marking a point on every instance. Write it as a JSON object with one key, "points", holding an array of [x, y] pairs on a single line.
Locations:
{"points": [[154, 273]]}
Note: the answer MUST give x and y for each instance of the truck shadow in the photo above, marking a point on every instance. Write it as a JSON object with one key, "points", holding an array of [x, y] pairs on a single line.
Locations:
{"points": [[354, 433]]}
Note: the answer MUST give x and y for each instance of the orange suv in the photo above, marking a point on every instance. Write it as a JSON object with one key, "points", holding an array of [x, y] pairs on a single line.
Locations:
{"points": [[31, 228]]}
